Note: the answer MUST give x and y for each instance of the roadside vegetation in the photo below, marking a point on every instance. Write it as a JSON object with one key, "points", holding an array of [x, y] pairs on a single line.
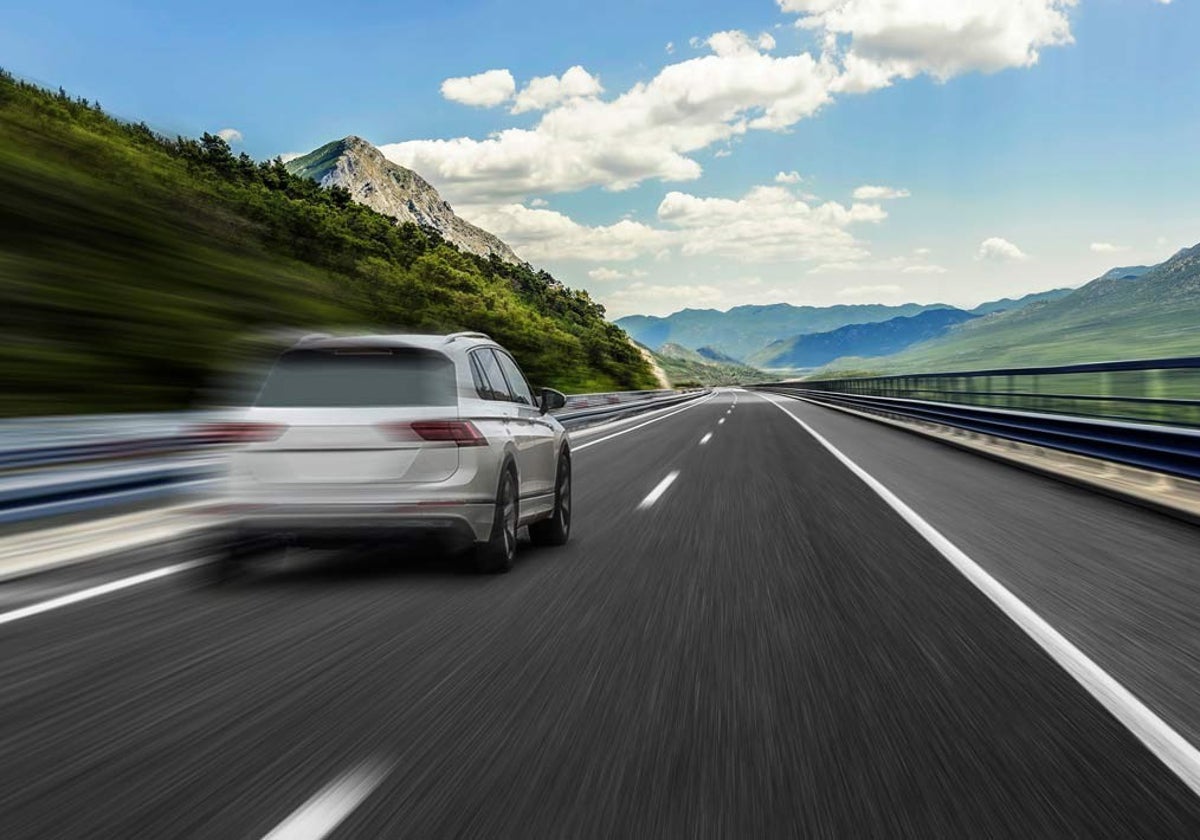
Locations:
{"points": [[693, 368], [136, 270]]}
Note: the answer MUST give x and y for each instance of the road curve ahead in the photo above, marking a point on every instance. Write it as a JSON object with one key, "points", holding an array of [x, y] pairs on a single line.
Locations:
{"points": [[742, 640]]}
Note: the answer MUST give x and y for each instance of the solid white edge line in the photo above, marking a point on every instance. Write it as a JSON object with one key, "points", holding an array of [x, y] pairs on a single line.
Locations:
{"points": [[691, 404], [1168, 745], [94, 592], [660, 488], [706, 438], [330, 805]]}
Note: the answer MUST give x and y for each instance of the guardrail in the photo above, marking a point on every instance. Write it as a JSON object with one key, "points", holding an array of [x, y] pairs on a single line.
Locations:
{"points": [[1164, 449], [56, 466], [1165, 391]]}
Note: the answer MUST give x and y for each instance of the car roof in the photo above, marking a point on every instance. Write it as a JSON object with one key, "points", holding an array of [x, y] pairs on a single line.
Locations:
{"points": [[424, 341]]}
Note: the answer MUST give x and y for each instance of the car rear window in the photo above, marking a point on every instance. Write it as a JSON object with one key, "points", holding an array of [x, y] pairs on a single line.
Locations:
{"points": [[359, 377]]}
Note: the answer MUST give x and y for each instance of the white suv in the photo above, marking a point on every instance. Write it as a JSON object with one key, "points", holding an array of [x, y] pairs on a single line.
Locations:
{"points": [[368, 437]]}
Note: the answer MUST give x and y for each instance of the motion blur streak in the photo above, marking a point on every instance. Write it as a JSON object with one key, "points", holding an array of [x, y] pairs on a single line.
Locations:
{"points": [[94, 592], [1163, 741], [770, 651], [332, 804]]}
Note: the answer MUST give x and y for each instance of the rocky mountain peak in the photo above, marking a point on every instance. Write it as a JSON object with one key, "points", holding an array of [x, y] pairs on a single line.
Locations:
{"points": [[393, 190]]}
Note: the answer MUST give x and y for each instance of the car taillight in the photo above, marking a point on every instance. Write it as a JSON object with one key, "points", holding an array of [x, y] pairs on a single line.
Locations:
{"points": [[460, 432], [227, 433]]}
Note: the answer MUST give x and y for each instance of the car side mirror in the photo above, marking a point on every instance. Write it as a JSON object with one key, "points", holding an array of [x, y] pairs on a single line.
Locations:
{"points": [[552, 399]]}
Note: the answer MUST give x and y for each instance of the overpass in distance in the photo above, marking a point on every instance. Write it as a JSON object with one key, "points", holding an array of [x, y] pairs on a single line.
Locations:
{"points": [[774, 619]]}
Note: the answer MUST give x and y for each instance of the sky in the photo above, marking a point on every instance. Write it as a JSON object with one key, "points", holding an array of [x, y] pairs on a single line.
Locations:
{"points": [[703, 154]]}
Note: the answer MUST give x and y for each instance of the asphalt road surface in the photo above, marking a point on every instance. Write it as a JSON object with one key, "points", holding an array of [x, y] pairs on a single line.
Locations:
{"points": [[742, 639]]}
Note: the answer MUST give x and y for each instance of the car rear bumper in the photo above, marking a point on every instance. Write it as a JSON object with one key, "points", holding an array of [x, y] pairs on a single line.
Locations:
{"points": [[318, 524]]}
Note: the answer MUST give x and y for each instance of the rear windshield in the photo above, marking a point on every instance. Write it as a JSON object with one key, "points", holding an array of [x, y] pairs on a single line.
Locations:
{"points": [[365, 378]]}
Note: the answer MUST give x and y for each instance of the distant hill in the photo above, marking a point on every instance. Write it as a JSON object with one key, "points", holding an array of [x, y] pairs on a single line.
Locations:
{"points": [[878, 339], [1108, 318], [1010, 304], [703, 367], [355, 165], [1129, 272], [743, 330], [714, 355]]}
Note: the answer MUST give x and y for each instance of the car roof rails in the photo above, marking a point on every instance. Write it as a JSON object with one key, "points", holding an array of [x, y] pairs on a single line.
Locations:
{"points": [[467, 334]]}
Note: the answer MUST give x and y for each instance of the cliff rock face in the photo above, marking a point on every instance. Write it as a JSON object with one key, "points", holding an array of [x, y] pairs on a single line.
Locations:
{"points": [[373, 180]]}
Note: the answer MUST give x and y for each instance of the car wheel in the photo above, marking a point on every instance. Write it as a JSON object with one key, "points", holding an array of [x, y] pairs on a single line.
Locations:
{"points": [[557, 529], [497, 554]]}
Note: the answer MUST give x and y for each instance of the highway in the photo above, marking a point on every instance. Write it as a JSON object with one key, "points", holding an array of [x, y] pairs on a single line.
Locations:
{"points": [[743, 639]]}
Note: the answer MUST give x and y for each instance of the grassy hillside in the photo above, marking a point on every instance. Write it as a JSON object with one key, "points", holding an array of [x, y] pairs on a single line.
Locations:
{"points": [[705, 367], [133, 268], [1124, 316]]}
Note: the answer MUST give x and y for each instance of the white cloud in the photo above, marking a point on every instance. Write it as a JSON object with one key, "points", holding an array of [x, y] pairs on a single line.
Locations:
{"points": [[922, 252], [885, 289], [287, 156], [720, 153], [230, 135], [539, 234], [868, 192], [923, 268], [661, 299], [792, 177], [647, 132], [1107, 248], [603, 273], [546, 91], [768, 224], [486, 90], [1000, 250], [670, 47], [539, 202], [941, 38], [653, 129]]}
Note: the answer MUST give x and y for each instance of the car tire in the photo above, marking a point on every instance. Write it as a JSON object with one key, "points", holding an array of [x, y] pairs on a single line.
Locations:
{"points": [[557, 529], [497, 554]]}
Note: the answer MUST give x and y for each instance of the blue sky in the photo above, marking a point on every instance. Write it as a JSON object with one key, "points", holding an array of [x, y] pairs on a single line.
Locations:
{"points": [[1026, 144]]}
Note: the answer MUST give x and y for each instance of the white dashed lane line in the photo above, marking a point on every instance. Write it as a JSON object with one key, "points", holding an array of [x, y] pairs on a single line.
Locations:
{"points": [[321, 814], [94, 592], [706, 438], [660, 488]]}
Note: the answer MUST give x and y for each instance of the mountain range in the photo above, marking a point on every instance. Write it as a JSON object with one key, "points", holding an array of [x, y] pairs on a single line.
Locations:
{"points": [[745, 332], [1126, 313], [877, 339], [355, 165]]}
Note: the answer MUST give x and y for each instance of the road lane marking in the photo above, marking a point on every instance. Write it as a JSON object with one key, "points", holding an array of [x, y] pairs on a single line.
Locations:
{"points": [[722, 420], [1169, 746], [331, 804], [94, 592], [658, 490], [692, 404], [706, 438]]}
